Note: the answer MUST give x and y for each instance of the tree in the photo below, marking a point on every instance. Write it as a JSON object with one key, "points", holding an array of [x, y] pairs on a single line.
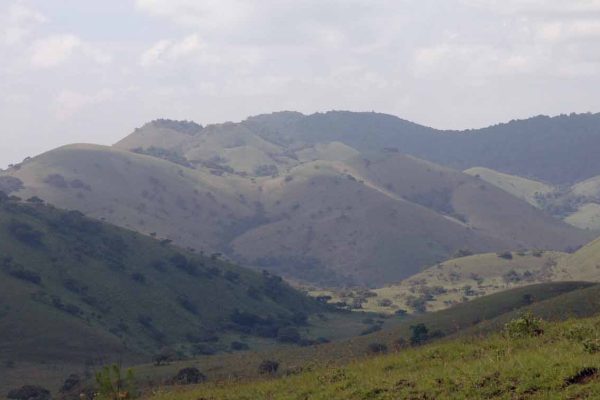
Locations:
{"points": [[420, 334], [112, 385]]}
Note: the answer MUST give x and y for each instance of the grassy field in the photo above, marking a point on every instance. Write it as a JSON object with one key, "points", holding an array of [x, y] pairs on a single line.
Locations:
{"points": [[480, 316], [557, 364]]}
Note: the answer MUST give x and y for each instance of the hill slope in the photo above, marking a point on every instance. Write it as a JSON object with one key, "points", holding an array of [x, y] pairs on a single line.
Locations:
{"points": [[75, 290], [331, 222]]}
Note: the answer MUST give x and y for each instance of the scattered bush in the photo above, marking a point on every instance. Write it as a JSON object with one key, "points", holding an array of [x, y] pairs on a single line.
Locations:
{"points": [[527, 325], [377, 348], [419, 334], [239, 346], [288, 334], [25, 233], [112, 385], [268, 367], [29, 392], [188, 376]]}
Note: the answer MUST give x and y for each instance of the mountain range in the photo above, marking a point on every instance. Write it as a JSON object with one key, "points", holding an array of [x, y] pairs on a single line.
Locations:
{"points": [[337, 198]]}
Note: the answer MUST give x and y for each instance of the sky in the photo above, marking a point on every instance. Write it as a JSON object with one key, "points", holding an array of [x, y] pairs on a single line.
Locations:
{"points": [[91, 71]]}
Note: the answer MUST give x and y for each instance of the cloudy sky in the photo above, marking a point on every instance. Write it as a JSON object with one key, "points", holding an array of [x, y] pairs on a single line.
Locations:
{"points": [[91, 71]]}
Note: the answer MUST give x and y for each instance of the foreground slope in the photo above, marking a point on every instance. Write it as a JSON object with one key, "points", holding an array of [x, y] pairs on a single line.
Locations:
{"points": [[466, 365]]}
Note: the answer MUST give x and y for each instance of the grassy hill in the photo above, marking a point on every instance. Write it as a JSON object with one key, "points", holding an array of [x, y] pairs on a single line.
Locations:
{"points": [[471, 276], [337, 221], [498, 367], [526, 189], [483, 315], [76, 292], [455, 281]]}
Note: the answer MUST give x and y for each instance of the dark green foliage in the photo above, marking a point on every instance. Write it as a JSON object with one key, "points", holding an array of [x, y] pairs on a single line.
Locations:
{"points": [[288, 334], [188, 376], [9, 184], [164, 154], [377, 348], [419, 334], [29, 392], [113, 385], [526, 325], [268, 367], [239, 346], [25, 233], [507, 255]]}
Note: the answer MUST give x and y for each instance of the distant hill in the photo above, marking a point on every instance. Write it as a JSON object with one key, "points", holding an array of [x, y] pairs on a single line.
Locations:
{"points": [[340, 220], [464, 278], [577, 205], [76, 291]]}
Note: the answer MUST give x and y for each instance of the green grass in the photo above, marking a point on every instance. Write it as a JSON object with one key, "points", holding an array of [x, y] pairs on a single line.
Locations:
{"points": [[467, 368], [483, 315]]}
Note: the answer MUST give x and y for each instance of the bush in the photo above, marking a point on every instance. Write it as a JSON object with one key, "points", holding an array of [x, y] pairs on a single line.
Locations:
{"points": [[288, 334], [112, 385], [25, 275], [420, 334], [268, 367], [25, 233], [239, 346], [29, 392], [188, 376], [527, 325], [377, 348], [507, 255]]}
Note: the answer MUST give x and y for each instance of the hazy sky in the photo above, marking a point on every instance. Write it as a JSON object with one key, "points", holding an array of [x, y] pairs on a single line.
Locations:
{"points": [[91, 71]]}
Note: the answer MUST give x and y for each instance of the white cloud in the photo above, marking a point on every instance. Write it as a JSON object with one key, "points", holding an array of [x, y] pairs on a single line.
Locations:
{"points": [[54, 50], [69, 103], [18, 22], [204, 14], [165, 51]]}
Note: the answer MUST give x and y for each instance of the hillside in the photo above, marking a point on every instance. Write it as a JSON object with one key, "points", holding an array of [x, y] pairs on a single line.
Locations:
{"points": [[555, 301], [464, 278], [498, 367], [526, 189], [455, 281], [329, 222], [577, 205], [541, 147], [75, 292]]}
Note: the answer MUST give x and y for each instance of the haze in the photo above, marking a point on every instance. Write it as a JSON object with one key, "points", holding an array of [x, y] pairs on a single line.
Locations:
{"points": [[74, 71]]}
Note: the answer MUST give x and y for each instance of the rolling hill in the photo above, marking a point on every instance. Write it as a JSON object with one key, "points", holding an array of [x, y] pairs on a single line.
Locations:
{"points": [[464, 278], [578, 205], [366, 221], [76, 291]]}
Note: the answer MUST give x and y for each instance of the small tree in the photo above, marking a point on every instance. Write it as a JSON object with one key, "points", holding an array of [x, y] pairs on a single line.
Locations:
{"points": [[420, 334], [527, 325], [112, 385], [268, 367]]}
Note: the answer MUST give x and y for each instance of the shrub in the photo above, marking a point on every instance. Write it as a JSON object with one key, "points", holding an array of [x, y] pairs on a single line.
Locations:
{"points": [[25, 275], [25, 233], [377, 348], [592, 346], [419, 335], [188, 376], [527, 325], [268, 367], [112, 385], [239, 346], [507, 255], [288, 334], [29, 392], [462, 253]]}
